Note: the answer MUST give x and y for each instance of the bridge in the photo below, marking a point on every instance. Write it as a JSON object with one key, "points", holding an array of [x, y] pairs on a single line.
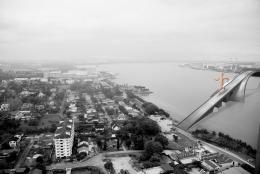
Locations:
{"points": [[234, 90]]}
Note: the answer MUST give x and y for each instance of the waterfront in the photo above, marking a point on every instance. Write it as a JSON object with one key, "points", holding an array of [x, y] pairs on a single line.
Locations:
{"points": [[181, 90]]}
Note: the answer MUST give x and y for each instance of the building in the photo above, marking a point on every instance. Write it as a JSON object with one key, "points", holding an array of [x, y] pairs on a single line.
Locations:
{"points": [[87, 147], [63, 138], [5, 107], [210, 166], [233, 170]]}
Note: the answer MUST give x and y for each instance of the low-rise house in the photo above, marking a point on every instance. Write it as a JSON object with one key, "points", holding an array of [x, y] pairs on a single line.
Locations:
{"points": [[39, 107], [93, 120], [13, 144], [207, 156], [26, 93], [108, 102], [122, 117], [26, 107], [41, 94], [51, 103], [101, 115], [100, 96], [235, 170], [5, 107], [73, 108], [53, 90], [115, 128], [86, 147], [19, 79], [14, 141], [91, 111], [69, 81], [23, 115], [137, 103], [2, 90], [167, 168], [100, 127], [210, 166], [224, 162]]}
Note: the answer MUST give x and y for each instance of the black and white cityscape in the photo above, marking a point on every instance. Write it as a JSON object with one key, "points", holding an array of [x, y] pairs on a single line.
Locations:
{"points": [[129, 87]]}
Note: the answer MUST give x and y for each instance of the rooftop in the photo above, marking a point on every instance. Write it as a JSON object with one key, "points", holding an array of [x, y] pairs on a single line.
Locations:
{"points": [[64, 129]]}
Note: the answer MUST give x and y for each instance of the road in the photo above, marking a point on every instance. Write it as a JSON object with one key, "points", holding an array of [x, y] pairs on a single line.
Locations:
{"points": [[24, 154], [203, 110], [62, 105], [94, 161], [107, 116], [216, 148]]}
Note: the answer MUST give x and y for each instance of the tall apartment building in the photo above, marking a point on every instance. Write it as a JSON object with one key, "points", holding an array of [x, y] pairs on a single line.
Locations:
{"points": [[63, 138]]}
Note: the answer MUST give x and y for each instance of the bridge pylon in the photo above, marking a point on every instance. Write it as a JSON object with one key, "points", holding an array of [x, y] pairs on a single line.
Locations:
{"points": [[234, 90], [222, 80]]}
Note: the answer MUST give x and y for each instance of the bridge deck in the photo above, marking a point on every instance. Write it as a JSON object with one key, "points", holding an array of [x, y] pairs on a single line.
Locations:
{"points": [[209, 105]]}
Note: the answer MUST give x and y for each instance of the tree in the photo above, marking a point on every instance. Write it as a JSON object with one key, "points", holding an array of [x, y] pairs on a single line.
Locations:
{"points": [[5, 75], [149, 127], [15, 103], [162, 139], [123, 110], [15, 86], [175, 137], [39, 159], [81, 118], [11, 157], [138, 142], [153, 147], [11, 126], [128, 143], [214, 133], [150, 108], [33, 123], [220, 134], [53, 127], [108, 165], [110, 111]]}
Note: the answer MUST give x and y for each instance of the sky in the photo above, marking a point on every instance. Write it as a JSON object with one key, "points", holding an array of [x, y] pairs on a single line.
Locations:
{"points": [[102, 30]]}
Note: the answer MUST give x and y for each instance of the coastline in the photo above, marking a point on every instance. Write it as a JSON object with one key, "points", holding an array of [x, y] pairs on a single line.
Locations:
{"points": [[175, 116], [179, 91], [172, 116]]}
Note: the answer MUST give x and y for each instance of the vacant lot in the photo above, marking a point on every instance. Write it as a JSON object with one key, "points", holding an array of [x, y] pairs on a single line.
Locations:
{"points": [[181, 143], [48, 120], [123, 163]]}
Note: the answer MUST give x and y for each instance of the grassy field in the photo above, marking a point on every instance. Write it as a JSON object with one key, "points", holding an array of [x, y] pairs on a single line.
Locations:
{"points": [[48, 120], [182, 142]]}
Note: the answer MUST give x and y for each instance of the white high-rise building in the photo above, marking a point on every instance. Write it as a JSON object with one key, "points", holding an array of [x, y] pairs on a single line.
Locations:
{"points": [[63, 138]]}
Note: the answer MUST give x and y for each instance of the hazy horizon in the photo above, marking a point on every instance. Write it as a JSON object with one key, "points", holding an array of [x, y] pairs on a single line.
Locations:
{"points": [[147, 30]]}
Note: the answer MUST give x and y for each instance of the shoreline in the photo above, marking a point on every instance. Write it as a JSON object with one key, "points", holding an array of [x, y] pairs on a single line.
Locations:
{"points": [[236, 155], [174, 103]]}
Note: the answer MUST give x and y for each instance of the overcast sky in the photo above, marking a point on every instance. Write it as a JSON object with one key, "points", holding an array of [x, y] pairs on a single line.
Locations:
{"points": [[134, 29]]}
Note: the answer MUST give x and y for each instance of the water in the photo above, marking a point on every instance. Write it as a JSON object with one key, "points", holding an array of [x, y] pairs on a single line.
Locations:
{"points": [[181, 90]]}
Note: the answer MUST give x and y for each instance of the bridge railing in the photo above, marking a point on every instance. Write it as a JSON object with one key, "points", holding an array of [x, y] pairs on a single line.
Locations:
{"points": [[214, 93]]}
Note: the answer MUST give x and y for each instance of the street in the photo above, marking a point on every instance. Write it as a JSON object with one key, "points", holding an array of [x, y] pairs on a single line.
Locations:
{"points": [[216, 148], [24, 154]]}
